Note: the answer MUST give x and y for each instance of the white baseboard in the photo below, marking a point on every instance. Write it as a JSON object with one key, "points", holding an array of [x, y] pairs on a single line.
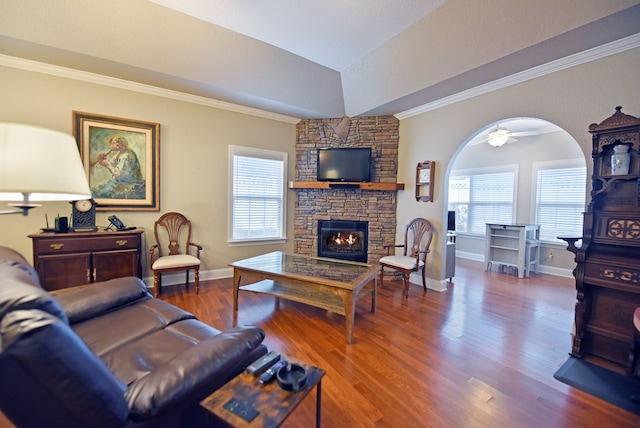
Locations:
{"points": [[178, 277], [415, 278], [432, 284], [549, 270]]}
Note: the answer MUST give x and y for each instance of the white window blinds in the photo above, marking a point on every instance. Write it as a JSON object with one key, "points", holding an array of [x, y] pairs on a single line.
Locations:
{"points": [[560, 200], [482, 196], [257, 195]]}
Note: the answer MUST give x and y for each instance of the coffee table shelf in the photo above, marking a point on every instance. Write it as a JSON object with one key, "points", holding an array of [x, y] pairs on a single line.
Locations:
{"points": [[296, 294]]}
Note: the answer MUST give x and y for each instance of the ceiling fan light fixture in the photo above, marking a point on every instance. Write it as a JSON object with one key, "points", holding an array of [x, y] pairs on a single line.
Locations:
{"points": [[498, 137]]}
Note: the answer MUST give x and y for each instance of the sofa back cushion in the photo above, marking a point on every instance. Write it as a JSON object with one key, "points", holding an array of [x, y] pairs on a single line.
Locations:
{"points": [[46, 363], [92, 300], [20, 288]]}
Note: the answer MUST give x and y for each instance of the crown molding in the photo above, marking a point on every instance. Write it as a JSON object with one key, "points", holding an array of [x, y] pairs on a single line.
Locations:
{"points": [[605, 50], [589, 55], [98, 79]]}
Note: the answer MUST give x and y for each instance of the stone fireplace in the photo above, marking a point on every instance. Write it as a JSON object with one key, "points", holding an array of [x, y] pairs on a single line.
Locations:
{"points": [[344, 240], [376, 207]]}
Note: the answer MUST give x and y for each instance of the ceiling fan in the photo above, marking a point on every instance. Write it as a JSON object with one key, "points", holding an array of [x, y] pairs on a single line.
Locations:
{"points": [[500, 136]]}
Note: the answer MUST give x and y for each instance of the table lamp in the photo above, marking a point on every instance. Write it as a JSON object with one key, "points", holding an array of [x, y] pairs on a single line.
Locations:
{"points": [[39, 165]]}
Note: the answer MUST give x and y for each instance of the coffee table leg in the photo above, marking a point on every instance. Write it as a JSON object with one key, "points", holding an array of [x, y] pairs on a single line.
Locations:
{"points": [[374, 293], [349, 314], [319, 404], [236, 284]]}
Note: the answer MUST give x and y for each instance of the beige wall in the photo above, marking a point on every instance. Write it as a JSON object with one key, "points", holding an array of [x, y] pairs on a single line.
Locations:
{"points": [[572, 99], [194, 142]]}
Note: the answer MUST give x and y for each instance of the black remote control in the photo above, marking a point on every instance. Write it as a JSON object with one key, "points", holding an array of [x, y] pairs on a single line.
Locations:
{"points": [[263, 363], [271, 372]]}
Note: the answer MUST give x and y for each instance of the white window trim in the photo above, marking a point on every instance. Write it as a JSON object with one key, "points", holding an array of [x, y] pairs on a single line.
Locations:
{"points": [[487, 170], [266, 154], [554, 164]]}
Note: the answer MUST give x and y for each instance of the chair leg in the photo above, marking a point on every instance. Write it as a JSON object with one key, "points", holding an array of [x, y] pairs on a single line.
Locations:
{"points": [[405, 285], [186, 281], [196, 279], [156, 284], [381, 276], [424, 279]]}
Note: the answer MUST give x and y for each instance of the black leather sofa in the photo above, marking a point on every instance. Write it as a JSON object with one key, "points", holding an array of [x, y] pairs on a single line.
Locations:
{"points": [[108, 354]]}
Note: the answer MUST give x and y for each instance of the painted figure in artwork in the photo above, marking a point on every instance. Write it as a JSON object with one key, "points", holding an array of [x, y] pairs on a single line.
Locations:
{"points": [[126, 180]]}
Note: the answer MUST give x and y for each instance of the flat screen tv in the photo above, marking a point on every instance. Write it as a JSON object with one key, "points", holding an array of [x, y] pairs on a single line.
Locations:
{"points": [[344, 164]]}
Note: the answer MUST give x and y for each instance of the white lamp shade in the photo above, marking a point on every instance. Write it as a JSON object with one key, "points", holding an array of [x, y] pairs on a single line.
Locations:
{"points": [[42, 163]]}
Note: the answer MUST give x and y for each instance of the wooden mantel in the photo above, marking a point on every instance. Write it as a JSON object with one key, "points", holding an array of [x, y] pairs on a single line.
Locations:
{"points": [[344, 185]]}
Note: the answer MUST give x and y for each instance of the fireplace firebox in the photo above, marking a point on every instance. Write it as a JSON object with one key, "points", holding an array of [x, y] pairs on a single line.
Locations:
{"points": [[343, 239]]}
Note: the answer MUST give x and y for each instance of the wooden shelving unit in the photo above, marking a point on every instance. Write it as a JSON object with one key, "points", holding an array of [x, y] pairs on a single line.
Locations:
{"points": [[515, 245], [425, 173], [344, 185]]}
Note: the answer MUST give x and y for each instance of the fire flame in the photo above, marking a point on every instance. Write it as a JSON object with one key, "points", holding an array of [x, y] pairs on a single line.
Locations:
{"points": [[341, 240]]}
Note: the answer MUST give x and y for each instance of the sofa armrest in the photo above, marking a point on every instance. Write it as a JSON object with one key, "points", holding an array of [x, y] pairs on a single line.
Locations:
{"points": [[87, 301], [205, 366], [44, 362]]}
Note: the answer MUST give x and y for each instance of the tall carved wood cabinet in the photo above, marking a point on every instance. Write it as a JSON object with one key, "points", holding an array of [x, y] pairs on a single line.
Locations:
{"points": [[608, 260]]}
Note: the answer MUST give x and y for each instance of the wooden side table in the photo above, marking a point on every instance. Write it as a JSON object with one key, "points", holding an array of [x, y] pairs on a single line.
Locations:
{"points": [[274, 403]]}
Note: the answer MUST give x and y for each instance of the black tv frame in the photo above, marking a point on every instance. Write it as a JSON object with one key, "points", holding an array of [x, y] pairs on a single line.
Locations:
{"points": [[349, 156]]}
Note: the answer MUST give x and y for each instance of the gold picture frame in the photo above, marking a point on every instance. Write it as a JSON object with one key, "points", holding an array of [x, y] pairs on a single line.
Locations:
{"points": [[121, 158]]}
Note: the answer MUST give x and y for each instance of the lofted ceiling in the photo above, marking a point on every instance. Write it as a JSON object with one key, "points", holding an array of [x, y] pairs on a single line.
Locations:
{"points": [[314, 59], [333, 33]]}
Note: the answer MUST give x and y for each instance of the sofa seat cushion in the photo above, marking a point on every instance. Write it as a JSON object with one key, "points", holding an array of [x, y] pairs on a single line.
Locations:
{"points": [[128, 324], [138, 358], [193, 373]]}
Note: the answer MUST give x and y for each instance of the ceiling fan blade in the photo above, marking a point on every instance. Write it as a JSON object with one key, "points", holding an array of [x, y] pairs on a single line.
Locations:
{"points": [[477, 142], [524, 134]]}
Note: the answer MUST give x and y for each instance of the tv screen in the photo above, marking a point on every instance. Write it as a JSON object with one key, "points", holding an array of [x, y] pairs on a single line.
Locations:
{"points": [[345, 164]]}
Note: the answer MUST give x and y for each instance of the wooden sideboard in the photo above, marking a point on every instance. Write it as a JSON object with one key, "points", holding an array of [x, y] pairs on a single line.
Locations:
{"points": [[607, 270], [76, 258]]}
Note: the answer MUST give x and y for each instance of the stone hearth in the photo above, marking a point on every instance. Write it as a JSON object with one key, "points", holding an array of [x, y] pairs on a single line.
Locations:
{"points": [[377, 207]]}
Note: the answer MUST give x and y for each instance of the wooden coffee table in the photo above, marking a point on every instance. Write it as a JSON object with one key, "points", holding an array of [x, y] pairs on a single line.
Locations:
{"points": [[273, 403], [330, 284]]}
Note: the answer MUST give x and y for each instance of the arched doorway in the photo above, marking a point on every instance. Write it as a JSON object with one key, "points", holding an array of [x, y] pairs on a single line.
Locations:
{"points": [[531, 150]]}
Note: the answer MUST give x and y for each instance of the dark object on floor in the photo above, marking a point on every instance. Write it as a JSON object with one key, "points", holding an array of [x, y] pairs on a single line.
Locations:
{"points": [[605, 384]]}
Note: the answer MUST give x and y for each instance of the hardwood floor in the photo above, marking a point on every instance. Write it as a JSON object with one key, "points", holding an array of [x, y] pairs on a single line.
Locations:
{"points": [[481, 354]]}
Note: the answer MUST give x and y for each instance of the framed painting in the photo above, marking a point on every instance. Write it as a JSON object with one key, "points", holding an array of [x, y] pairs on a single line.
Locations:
{"points": [[121, 158]]}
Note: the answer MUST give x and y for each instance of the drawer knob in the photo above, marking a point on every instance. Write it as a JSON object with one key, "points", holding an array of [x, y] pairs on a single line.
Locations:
{"points": [[56, 245], [121, 242]]}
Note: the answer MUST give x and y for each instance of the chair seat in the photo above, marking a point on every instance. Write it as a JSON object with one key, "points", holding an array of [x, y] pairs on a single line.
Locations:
{"points": [[402, 262], [178, 260]]}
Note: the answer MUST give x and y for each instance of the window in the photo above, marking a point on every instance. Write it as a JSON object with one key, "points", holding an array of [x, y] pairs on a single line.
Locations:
{"points": [[560, 198], [257, 194], [481, 196]]}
